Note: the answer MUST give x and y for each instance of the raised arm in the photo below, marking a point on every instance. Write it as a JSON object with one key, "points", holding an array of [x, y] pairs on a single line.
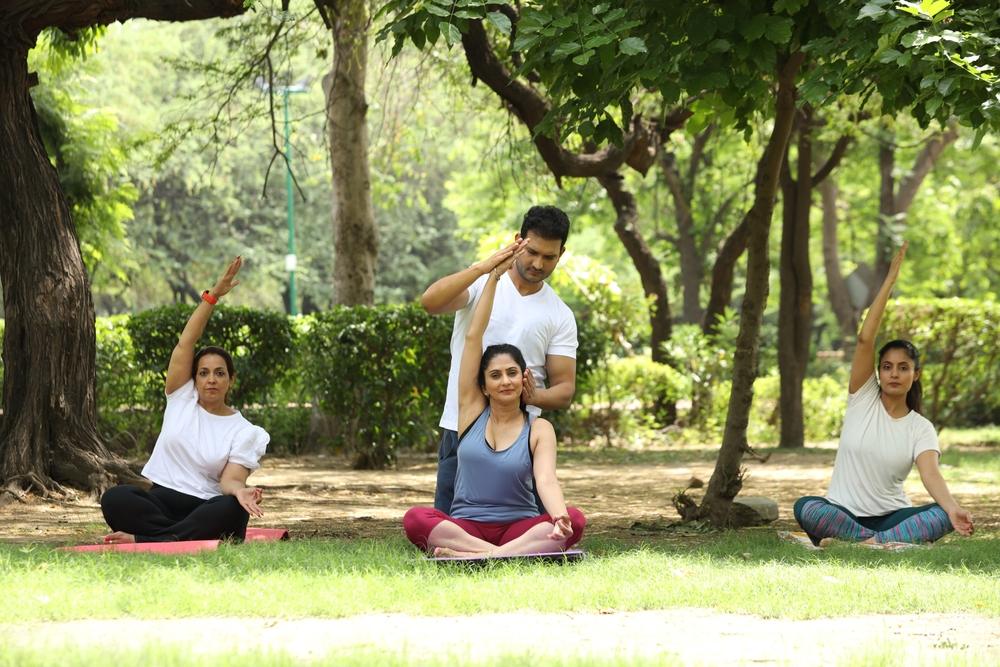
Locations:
{"points": [[179, 370], [863, 364], [470, 398], [452, 292]]}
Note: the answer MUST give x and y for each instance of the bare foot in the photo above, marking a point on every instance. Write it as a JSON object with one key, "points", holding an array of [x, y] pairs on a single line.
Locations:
{"points": [[445, 552], [827, 542], [118, 537]]}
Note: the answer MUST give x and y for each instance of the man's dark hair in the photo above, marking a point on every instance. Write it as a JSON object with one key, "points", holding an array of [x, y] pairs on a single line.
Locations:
{"points": [[548, 222]]}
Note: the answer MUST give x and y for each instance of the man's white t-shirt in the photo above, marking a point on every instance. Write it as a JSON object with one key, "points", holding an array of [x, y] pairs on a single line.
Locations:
{"points": [[194, 446], [538, 324], [876, 454]]}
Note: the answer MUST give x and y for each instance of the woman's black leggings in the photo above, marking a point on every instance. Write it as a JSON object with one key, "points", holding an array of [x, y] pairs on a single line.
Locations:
{"points": [[165, 515]]}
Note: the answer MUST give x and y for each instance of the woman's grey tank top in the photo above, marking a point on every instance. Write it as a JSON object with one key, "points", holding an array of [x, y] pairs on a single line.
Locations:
{"points": [[494, 487]]}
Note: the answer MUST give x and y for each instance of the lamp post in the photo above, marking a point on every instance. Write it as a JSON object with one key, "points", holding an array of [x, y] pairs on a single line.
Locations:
{"points": [[291, 260]]}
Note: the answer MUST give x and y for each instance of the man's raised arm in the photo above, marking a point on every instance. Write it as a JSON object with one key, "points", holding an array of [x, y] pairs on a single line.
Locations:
{"points": [[451, 293]]}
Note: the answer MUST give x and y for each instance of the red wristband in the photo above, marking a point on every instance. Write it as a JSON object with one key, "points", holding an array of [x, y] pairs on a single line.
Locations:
{"points": [[207, 296]]}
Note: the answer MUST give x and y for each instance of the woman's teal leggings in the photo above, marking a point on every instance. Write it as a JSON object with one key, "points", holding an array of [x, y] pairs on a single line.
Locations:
{"points": [[820, 518]]}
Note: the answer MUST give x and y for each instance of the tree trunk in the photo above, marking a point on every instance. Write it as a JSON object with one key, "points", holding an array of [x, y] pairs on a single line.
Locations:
{"points": [[727, 478], [48, 438], [650, 274], [692, 271], [895, 203], [723, 271], [840, 300], [795, 310], [355, 235]]}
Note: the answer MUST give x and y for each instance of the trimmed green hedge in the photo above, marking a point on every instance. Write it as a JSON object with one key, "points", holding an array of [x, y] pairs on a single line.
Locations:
{"points": [[382, 372], [960, 343]]}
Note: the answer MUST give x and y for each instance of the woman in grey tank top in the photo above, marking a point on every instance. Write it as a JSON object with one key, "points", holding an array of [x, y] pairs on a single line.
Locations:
{"points": [[502, 456]]}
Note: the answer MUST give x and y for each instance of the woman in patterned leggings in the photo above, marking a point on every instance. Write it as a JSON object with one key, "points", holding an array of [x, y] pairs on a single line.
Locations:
{"points": [[883, 435]]}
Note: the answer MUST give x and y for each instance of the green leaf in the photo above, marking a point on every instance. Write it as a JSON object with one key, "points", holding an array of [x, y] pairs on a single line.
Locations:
{"points": [[499, 21], [719, 45], [873, 10], [755, 27], [565, 49], [583, 58], [945, 85], [779, 30], [524, 41], [889, 56], [933, 7], [631, 46], [452, 35], [600, 9], [436, 11]]}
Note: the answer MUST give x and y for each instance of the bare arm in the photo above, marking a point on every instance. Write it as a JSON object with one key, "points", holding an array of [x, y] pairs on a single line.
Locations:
{"points": [[470, 398], [544, 468], [451, 293], [863, 363], [179, 369], [234, 483], [558, 395], [930, 475]]}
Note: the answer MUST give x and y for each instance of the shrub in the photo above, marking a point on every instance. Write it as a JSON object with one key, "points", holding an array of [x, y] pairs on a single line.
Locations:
{"points": [[623, 396], [260, 341], [381, 373], [824, 400], [958, 341]]}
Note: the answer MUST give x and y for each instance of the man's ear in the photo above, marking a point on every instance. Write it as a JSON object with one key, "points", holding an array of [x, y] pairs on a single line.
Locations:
{"points": [[517, 237], [561, 251]]}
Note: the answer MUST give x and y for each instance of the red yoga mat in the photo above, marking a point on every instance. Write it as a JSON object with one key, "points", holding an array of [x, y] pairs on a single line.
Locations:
{"points": [[186, 547]]}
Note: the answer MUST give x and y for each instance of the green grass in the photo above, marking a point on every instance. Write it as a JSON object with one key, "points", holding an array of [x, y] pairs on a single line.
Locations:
{"points": [[747, 572], [163, 655]]}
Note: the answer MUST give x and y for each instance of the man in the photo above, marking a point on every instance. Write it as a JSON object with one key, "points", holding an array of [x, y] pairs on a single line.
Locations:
{"points": [[527, 313]]}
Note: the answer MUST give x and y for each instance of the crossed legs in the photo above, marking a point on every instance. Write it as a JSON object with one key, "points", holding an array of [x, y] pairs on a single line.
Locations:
{"points": [[822, 519], [436, 532]]}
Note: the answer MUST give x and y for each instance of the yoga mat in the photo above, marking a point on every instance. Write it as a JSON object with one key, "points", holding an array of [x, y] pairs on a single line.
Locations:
{"points": [[186, 547], [266, 534], [547, 556]]}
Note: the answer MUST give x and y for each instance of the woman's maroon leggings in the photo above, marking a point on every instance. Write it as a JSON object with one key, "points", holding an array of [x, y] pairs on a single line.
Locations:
{"points": [[418, 522]]}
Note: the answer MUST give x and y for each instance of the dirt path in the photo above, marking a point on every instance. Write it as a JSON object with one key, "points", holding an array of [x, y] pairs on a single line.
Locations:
{"points": [[693, 636], [321, 497]]}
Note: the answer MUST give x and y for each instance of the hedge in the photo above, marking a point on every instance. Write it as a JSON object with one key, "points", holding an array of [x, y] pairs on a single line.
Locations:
{"points": [[958, 339], [382, 372]]}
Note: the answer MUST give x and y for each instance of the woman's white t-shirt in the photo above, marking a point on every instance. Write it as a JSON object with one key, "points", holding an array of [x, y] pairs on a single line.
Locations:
{"points": [[876, 454], [194, 446]]}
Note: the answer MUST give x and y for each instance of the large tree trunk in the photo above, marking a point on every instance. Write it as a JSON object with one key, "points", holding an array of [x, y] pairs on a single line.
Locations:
{"points": [[650, 274], [795, 308], [727, 478], [48, 437], [355, 235]]}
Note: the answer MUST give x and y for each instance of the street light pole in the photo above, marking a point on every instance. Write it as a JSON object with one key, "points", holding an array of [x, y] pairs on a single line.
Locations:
{"points": [[290, 258]]}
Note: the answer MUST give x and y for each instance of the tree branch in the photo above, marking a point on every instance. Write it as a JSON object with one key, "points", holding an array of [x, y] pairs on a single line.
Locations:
{"points": [[922, 166], [839, 149], [638, 147], [68, 15]]}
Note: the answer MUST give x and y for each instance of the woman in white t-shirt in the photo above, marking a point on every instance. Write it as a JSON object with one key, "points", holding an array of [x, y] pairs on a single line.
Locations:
{"points": [[883, 435], [204, 454]]}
